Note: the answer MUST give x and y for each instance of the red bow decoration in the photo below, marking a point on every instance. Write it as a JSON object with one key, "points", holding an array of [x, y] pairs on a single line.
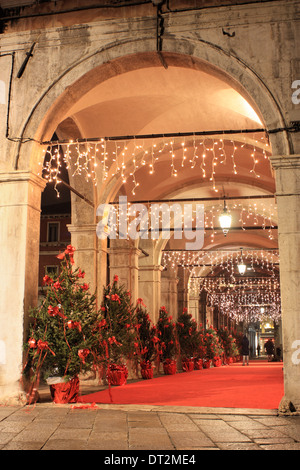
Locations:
{"points": [[32, 343], [69, 251], [113, 340], [116, 298], [72, 325], [42, 345], [83, 353], [140, 301], [54, 311]]}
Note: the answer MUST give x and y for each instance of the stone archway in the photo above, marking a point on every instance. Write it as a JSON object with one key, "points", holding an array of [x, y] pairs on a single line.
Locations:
{"points": [[51, 107]]}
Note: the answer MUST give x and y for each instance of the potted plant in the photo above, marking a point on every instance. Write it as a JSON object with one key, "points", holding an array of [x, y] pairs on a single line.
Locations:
{"points": [[229, 345], [117, 332], [200, 353], [147, 340], [213, 348], [166, 329], [188, 338], [60, 343]]}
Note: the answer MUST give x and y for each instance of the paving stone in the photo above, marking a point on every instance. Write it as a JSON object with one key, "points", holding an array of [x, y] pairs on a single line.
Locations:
{"points": [[65, 444], [156, 428], [239, 446], [182, 439]]}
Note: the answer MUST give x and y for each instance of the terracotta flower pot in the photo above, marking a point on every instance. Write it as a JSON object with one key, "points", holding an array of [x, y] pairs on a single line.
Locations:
{"points": [[117, 374], [206, 363], [146, 370], [198, 364], [187, 365], [65, 392], [217, 362], [169, 367]]}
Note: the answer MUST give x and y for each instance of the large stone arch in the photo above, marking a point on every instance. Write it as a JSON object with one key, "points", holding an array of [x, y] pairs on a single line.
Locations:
{"points": [[115, 59]]}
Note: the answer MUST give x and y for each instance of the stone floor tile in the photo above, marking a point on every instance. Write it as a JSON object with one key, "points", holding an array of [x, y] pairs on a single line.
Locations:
{"points": [[239, 446], [69, 433], [6, 437], [24, 445], [266, 433], [294, 446], [182, 439], [65, 444]]}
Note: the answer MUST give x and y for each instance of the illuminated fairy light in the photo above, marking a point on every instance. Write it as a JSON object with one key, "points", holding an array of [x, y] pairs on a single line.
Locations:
{"points": [[227, 260], [124, 159], [242, 299]]}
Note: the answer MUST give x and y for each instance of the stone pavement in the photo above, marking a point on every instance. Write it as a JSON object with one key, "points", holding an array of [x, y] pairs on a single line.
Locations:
{"points": [[47, 426]]}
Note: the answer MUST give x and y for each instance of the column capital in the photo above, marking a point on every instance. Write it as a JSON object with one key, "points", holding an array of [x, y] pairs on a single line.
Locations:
{"points": [[88, 228], [20, 175], [285, 161]]}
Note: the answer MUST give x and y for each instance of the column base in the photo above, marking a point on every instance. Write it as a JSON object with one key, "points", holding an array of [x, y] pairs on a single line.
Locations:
{"points": [[289, 408], [12, 395]]}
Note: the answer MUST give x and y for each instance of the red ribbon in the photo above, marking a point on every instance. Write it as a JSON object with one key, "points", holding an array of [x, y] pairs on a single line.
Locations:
{"points": [[83, 353], [72, 325], [42, 345]]}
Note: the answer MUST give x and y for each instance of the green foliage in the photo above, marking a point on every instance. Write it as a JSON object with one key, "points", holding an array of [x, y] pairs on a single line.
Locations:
{"points": [[188, 335], [228, 342], [146, 334], [166, 329], [118, 336], [61, 340], [213, 347]]}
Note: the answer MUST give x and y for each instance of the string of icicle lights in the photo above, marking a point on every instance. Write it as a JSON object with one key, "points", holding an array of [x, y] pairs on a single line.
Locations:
{"points": [[260, 213], [248, 299], [226, 261], [249, 307], [99, 160]]}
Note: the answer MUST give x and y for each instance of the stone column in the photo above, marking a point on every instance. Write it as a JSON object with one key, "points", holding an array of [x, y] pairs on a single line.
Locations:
{"points": [[20, 207], [169, 282], [183, 290], [287, 173], [193, 305], [84, 239], [150, 277], [124, 262]]}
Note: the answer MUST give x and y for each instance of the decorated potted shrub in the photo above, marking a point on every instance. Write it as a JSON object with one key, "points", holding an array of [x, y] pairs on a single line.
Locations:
{"points": [[229, 345], [200, 353], [61, 343], [147, 340], [188, 338], [117, 332], [166, 329], [213, 348]]}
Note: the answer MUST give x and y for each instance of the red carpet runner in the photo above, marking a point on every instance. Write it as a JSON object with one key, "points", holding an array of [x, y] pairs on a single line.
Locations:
{"points": [[259, 385]]}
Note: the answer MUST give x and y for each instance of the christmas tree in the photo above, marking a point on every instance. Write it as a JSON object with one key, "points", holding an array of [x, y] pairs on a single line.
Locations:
{"points": [[61, 334], [166, 329], [117, 325], [146, 334], [188, 335], [212, 344], [228, 343]]}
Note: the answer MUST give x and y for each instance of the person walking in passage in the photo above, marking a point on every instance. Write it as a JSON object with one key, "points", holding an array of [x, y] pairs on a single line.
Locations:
{"points": [[269, 347], [245, 350]]}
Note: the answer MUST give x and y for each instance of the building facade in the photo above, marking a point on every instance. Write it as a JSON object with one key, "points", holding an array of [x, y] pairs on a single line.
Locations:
{"points": [[155, 102]]}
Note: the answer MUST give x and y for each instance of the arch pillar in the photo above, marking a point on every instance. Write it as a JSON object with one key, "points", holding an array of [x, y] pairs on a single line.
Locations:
{"points": [[183, 290], [20, 207], [84, 239], [169, 295], [287, 173], [124, 262], [150, 277]]}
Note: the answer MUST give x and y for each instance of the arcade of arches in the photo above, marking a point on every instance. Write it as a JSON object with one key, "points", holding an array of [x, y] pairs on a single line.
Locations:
{"points": [[122, 119]]}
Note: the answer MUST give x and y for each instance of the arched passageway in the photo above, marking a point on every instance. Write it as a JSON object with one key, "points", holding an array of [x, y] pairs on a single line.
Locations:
{"points": [[107, 106]]}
